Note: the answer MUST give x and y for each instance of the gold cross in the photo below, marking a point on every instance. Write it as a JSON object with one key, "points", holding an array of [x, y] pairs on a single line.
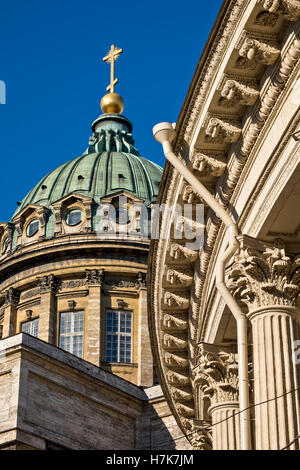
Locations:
{"points": [[111, 57]]}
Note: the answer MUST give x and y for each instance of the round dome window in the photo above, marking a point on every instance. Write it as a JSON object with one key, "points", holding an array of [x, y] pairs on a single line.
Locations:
{"points": [[32, 228], [74, 217]]}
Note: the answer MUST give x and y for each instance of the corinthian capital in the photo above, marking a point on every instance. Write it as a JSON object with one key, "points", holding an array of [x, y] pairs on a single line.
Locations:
{"points": [[263, 278], [289, 8], [48, 283], [216, 374], [11, 297]]}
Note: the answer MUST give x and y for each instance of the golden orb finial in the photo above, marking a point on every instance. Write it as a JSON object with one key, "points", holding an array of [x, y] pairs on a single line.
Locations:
{"points": [[112, 103]]}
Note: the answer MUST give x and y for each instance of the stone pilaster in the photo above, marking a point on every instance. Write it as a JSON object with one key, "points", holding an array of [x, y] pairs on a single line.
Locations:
{"points": [[216, 384], [145, 360], [11, 299], [47, 322], [94, 279], [266, 280]]}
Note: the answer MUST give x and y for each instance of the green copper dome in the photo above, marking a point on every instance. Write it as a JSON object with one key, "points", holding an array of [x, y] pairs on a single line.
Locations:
{"points": [[109, 165]]}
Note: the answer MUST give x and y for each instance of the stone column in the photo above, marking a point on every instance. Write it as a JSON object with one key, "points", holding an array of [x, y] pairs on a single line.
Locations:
{"points": [[11, 299], [216, 384], [95, 279], [145, 359], [267, 281], [47, 322]]}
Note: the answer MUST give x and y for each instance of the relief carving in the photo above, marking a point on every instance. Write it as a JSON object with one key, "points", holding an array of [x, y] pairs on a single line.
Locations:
{"points": [[219, 131], [95, 277], [175, 322], [265, 52], [179, 252], [177, 301], [216, 374], [289, 8], [179, 278], [10, 297], [178, 342], [178, 360], [48, 283], [207, 165], [236, 93], [265, 278]]}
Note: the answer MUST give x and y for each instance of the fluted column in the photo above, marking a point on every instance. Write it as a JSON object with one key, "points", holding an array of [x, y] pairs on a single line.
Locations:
{"points": [[267, 282], [216, 384]]}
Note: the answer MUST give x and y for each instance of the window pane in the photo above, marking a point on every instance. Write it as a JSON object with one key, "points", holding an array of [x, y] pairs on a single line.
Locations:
{"points": [[31, 327], [118, 336], [74, 217], [65, 322]]}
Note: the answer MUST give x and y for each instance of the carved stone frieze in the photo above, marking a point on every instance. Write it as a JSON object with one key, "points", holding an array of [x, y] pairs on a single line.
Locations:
{"points": [[30, 293], [176, 378], [178, 360], [289, 8], [182, 394], [185, 410], [72, 284], [180, 252], [264, 278], [220, 131], [266, 18], [175, 322], [236, 93], [208, 165], [175, 341], [177, 301], [179, 278], [257, 50]]}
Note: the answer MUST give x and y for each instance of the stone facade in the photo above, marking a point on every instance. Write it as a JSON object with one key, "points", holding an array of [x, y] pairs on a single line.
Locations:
{"points": [[50, 399], [238, 134]]}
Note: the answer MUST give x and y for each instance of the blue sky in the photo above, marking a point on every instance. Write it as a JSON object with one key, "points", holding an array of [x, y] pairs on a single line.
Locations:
{"points": [[51, 61]]}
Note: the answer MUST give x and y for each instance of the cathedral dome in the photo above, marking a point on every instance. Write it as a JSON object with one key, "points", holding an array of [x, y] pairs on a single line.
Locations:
{"points": [[110, 164]]}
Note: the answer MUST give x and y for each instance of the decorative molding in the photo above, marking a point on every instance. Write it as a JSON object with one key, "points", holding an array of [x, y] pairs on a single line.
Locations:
{"points": [[208, 165], [264, 278], [266, 18], [10, 297], [179, 278], [216, 374], [172, 300], [179, 252], [48, 283], [289, 8], [219, 131], [94, 277], [237, 93], [265, 52], [175, 322]]}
